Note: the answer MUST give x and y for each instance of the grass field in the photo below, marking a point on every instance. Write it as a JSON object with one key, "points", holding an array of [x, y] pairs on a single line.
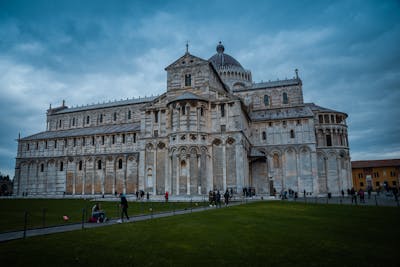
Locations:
{"points": [[50, 212], [257, 234]]}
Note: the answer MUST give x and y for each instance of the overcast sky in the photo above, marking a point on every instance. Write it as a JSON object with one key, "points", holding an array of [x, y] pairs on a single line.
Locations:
{"points": [[347, 53]]}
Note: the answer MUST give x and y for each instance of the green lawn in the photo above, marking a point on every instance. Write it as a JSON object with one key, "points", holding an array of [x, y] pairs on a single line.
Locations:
{"points": [[257, 234], [12, 211]]}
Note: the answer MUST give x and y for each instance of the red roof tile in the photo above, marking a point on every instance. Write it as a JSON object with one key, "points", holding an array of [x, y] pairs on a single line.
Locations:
{"points": [[375, 163]]}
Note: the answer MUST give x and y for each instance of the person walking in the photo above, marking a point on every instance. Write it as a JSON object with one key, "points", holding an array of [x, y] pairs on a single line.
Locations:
{"points": [[226, 196], [124, 208], [166, 196], [218, 199]]}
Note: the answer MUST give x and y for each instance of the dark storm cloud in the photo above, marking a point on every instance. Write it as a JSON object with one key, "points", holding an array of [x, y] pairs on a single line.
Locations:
{"points": [[84, 52]]}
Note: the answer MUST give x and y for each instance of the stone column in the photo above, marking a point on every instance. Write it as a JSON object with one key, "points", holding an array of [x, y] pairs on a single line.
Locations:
{"points": [[224, 165], [155, 169], [141, 167], [298, 170], [188, 175], [199, 173], [178, 165], [125, 173]]}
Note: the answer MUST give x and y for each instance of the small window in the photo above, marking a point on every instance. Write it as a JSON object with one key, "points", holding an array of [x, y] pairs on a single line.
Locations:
{"points": [[183, 110], [266, 100], [59, 124], [155, 133], [291, 134], [285, 98], [270, 124], [55, 143], [264, 135], [99, 165], [61, 166], [37, 145], [377, 183], [123, 138], [394, 183], [298, 122], [102, 140], [320, 119], [284, 123], [74, 142], [326, 118], [120, 164], [156, 116], [328, 140], [361, 184], [113, 139], [46, 144], [27, 147], [83, 141], [332, 119], [222, 110], [134, 137], [80, 165], [92, 140], [360, 175], [202, 111], [188, 80], [73, 121], [42, 167], [101, 118], [115, 116], [87, 120], [65, 142], [129, 114]]}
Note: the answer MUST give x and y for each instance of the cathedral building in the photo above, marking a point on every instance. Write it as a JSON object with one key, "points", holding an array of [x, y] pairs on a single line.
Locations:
{"points": [[213, 129]]}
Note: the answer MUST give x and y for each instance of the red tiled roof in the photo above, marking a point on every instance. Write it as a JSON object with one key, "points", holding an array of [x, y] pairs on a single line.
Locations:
{"points": [[375, 163]]}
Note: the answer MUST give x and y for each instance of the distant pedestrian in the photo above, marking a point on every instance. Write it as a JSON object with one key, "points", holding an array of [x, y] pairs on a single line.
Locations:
{"points": [[218, 196], [148, 195], [342, 193], [166, 196], [214, 199], [361, 194], [124, 208], [369, 192], [226, 196], [210, 198], [137, 194], [353, 195], [304, 193]]}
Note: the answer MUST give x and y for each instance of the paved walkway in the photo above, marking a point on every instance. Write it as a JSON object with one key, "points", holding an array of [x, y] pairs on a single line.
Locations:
{"points": [[77, 226]]}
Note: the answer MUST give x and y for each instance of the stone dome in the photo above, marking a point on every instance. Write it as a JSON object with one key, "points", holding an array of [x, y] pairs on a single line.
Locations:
{"points": [[223, 60]]}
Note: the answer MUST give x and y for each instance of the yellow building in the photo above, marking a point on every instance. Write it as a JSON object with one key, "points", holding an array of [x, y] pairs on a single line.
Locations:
{"points": [[376, 174]]}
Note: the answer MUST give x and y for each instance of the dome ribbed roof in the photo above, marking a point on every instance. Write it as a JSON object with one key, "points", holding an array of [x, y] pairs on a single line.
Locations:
{"points": [[222, 60]]}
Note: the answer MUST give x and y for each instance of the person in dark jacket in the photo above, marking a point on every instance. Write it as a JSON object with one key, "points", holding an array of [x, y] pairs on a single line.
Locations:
{"points": [[124, 208], [226, 196]]}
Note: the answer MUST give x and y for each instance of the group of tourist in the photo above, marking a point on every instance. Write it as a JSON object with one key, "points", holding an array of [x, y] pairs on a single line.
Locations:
{"points": [[214, 198]]}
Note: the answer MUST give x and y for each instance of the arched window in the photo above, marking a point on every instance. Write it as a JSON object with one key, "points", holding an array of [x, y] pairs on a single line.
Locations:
{"points": [[80, 165], [41, 167], [92, 140], [101, 118], [188, 80], [115, 116], [113, 139], [73, 121], [123, 138], [266, 100], [61, 166], [276, 161], [120, 164], [201, 111], [129, 115], [83, 141], [87, 120], [291, 134], [55, 143], [285, 98], [183, 110], [99, 165], [264, 135]]}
